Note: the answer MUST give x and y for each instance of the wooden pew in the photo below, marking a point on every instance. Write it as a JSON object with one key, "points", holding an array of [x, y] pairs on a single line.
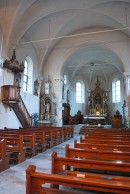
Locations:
{"points": [[85, 130], [4, 159], [71, 131], [111, 131], [68, 133], [53, 135], [35, 180], [109, 137], [14, 148], [104, 141], [101, 146], [29, 142], [64, 133], [30, 145], [47, 132], [40, 143], [46, 190], [61, 164], [57, 135], [108, 155]]}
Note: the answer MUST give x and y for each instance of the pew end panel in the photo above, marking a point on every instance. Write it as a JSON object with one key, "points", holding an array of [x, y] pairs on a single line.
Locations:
{"points": [[4, 158], [15, 149]]}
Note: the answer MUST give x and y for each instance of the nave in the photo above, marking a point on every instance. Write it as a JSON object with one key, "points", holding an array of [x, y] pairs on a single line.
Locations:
{"points": [[13, 180]]}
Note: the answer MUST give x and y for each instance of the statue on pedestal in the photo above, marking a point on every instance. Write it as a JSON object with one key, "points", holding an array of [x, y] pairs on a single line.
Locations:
{"points": [[47, 107]]}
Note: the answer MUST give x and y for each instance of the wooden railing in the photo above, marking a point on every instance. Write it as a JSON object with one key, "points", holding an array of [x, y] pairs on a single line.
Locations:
{"points": [[25, 112]]}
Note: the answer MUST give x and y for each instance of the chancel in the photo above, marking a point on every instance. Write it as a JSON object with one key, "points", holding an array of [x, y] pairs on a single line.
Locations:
{"points": [[97, 105]]}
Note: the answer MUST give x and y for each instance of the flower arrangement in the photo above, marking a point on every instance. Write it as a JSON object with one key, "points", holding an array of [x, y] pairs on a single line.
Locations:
{"points": [[53, 120], [35, 118]]}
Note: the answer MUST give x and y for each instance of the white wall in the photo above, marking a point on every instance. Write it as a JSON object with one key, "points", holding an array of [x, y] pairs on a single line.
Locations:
{"points": [[7, 117]]}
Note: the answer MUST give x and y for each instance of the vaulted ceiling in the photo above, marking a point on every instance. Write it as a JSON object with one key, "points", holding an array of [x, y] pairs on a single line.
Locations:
{"points": [[44, 23]]}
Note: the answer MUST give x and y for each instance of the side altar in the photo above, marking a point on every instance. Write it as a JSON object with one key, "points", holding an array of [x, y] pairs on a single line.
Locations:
{"points": [[48, 106], [97, 106]]}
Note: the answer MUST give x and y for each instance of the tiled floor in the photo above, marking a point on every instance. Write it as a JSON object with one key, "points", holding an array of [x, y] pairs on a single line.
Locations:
{"points": [[13, 180]]}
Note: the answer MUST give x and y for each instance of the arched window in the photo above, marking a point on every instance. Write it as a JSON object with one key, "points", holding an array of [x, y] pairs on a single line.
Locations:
{"points": [[79, 92], [128, 84], [65, 79], [116, 91], [28, 75]]}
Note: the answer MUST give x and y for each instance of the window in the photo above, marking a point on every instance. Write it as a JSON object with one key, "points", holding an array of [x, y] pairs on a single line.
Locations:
{"points": [[79, 92], [116, 91], [128, 84], [25, 77], [28, 75], [65, 79]]}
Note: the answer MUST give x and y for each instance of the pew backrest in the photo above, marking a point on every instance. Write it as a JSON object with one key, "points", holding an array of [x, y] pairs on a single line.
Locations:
{"points": [[98, 154], [35, 180]]}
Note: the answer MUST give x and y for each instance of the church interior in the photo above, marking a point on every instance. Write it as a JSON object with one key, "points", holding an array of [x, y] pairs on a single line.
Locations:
{"points": [[64, 78]]}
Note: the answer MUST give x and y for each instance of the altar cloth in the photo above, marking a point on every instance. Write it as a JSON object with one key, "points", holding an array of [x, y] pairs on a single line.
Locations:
{"points": [[94, 117]]}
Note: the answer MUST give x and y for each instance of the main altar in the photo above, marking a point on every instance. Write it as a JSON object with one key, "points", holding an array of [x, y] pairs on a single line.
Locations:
{"points": [[97, 106]]}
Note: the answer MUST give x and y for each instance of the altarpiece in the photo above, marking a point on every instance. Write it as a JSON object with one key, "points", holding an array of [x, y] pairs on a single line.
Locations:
{"points": [[98, 103]]}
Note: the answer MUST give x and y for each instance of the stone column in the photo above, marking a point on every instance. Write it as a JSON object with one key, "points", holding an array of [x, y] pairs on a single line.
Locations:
{"points": [[58, 83], [127, 88]]}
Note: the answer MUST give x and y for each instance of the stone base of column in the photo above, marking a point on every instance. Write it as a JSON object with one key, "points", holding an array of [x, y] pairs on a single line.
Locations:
{"points": [[128, 122]]}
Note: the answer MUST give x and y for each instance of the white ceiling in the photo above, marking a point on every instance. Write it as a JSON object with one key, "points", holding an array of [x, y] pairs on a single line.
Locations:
{"points": [[36, 21]]}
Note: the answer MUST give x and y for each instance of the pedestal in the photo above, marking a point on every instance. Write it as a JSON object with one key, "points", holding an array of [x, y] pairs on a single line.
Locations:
{"points": [[43, 123]]}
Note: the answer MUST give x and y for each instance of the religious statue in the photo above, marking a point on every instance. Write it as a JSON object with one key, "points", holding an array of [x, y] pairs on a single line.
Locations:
{"points": [[36, 87], [68, 95], [47, 107], [98, 99]]}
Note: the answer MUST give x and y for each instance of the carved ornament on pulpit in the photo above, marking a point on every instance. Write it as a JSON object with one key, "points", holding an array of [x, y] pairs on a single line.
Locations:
{"points": [[97, 101]]}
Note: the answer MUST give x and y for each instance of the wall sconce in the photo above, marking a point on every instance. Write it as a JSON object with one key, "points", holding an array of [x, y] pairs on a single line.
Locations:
{"points": [[36, 87]]}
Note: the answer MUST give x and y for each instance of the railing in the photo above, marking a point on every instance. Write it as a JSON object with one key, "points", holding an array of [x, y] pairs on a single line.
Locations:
{"points": [[25, 112]]}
